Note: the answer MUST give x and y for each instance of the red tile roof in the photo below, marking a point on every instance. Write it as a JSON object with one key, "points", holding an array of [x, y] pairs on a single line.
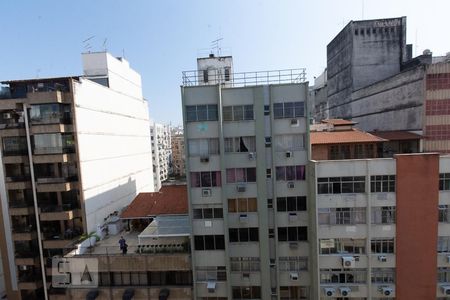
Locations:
{"points": [[343, 137], [170, 200], [397, 135], [338, 122]]}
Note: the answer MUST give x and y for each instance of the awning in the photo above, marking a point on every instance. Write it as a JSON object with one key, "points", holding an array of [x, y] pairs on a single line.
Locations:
{"points": [[164, 294], [211, 286], [167, 226], [92, 295], [128, 294]]}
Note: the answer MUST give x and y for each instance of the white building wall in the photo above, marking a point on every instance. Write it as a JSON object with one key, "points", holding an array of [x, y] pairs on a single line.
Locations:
{"points": [[161, 150], [114, 149]]}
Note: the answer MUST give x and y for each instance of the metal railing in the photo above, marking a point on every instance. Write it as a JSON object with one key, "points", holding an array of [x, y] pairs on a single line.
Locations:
{"points": [[98, 250], [242, 79]]}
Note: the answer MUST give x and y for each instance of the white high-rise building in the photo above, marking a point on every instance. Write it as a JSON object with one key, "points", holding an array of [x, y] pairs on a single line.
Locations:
{"points": [[161, 144], [74, 152]]}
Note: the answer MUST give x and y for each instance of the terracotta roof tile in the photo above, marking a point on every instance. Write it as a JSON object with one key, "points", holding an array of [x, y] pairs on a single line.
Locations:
{"points": [[343, 137], [170, 200], [397, 135]]}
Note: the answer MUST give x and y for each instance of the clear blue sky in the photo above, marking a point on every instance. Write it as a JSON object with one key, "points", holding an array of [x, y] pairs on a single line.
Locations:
{"points": [[162, 38]]}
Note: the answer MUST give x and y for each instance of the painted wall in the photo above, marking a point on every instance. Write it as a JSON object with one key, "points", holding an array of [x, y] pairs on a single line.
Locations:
{"points": [[114, 149]]}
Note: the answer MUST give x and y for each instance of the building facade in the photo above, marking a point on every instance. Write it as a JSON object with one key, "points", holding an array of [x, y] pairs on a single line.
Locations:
{"points": [[161, 152], [246, 156], [178, 157], [368, 216], [74, 151]]}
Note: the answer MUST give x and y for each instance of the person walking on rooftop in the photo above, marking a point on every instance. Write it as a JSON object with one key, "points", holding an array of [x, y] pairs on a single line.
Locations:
{"points": [[122, 243]]}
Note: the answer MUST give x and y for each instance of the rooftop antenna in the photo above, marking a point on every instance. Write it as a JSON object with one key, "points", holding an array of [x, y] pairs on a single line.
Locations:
{"points": [[86, 44], [215, 45], [104, 45], [123, 52]]}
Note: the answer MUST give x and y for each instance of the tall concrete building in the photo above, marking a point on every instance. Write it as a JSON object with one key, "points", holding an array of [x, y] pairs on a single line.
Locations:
{"points": [[178, 157], [364, 52], [161, 145], [245, 137], [74, 151]]}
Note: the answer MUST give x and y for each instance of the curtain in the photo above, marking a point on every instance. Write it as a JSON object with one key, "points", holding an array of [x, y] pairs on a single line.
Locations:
{"points": [[249, 142], [231, 176], [218, 176], [195, 179], [203, 147], [240, 175], [213, 146], [300, 172]]}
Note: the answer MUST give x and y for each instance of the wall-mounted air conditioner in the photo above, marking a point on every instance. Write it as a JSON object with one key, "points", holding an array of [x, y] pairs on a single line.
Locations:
{"points": [[348, 262], [206, 192]]}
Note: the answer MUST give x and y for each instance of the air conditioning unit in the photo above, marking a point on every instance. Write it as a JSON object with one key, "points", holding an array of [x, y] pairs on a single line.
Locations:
{"points": [[288, 154], [329, 292], [345, 291], [243, 218], [294, 122], [386, 291], [240, 188], [293, 276], [293, 245], [446, 289], [251, 156], [348, 262], [204, 159], [7, 115], [382, 258], [211, 286], [206, 193], [293, 217], [290, 185]]}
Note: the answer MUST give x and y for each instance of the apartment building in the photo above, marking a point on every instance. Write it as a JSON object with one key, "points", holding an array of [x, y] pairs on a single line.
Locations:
{"points": [[74, 151], [245, 159], [161, 144], [178, 157], [381, 226]]}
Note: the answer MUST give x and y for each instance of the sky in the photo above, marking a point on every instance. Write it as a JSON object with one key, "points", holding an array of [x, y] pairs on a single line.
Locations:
{"points": [[161, 39]]}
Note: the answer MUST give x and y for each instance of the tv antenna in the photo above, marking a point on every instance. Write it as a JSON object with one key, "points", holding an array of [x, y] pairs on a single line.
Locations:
{"points": [[215, 45], [104, 45], [86, 44]]}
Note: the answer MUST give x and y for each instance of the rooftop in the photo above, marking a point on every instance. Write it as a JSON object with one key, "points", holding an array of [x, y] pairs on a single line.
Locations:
{"points": [[338, 122], [343, 137], [397, 135], [170, 200]]}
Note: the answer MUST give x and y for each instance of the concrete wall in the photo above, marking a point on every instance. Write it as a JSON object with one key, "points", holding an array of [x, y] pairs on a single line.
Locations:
{"points": [[112, 131], [392, 104]]}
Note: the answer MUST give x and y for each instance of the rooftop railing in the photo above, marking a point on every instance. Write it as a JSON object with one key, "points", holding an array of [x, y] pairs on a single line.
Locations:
{"points": [[220, 76]]}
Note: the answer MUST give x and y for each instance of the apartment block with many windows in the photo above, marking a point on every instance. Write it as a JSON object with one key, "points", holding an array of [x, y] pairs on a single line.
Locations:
{"points": [[161, 144], [381, 227], [74, 151], [246, 168]]}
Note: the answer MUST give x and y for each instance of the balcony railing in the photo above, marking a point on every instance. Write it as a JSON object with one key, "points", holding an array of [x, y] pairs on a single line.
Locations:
{"points": [[219, 76], [20, 204], [51, 180], [23, 228], [51, 120], [12, 125], [17, 178], [13, 152], [54, 150], [58, 208]]}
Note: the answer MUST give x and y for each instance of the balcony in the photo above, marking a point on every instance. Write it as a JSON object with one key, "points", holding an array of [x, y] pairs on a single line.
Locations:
{"points": [[18, 185], [55, 185], [15, 152], [29, 281], [21, 208], [54, 150], [43, 97], [12, 129], [27, 261], [58, 240], [57, 213], [23, 232], [54, 158]]}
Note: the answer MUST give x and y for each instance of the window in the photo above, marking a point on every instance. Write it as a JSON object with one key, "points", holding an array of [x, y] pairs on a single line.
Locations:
{"points": [[208, 213], [203, 147], [293, 292], [246, 292], [444, 182], [206, 179], [205, 274], [343, 276], [383, 275], [209, 242], [268, 173], [342, 216], [288, 173], [383, 215], [289, 142], [382, 183], [293, 263], [236, 175], [269, 203], [382, 245], [239, 205], [444, 275], [240, 144], [342, 246], [244, 234], [227, 73], [238, 113], [341, 185], [266, 110], [444, 214], [200, 113], [245, 264], [15, 146], [291, 203], [292, 234], [288, 110], [268, 141], [205, 76], [50, 114], [53, 143]]}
